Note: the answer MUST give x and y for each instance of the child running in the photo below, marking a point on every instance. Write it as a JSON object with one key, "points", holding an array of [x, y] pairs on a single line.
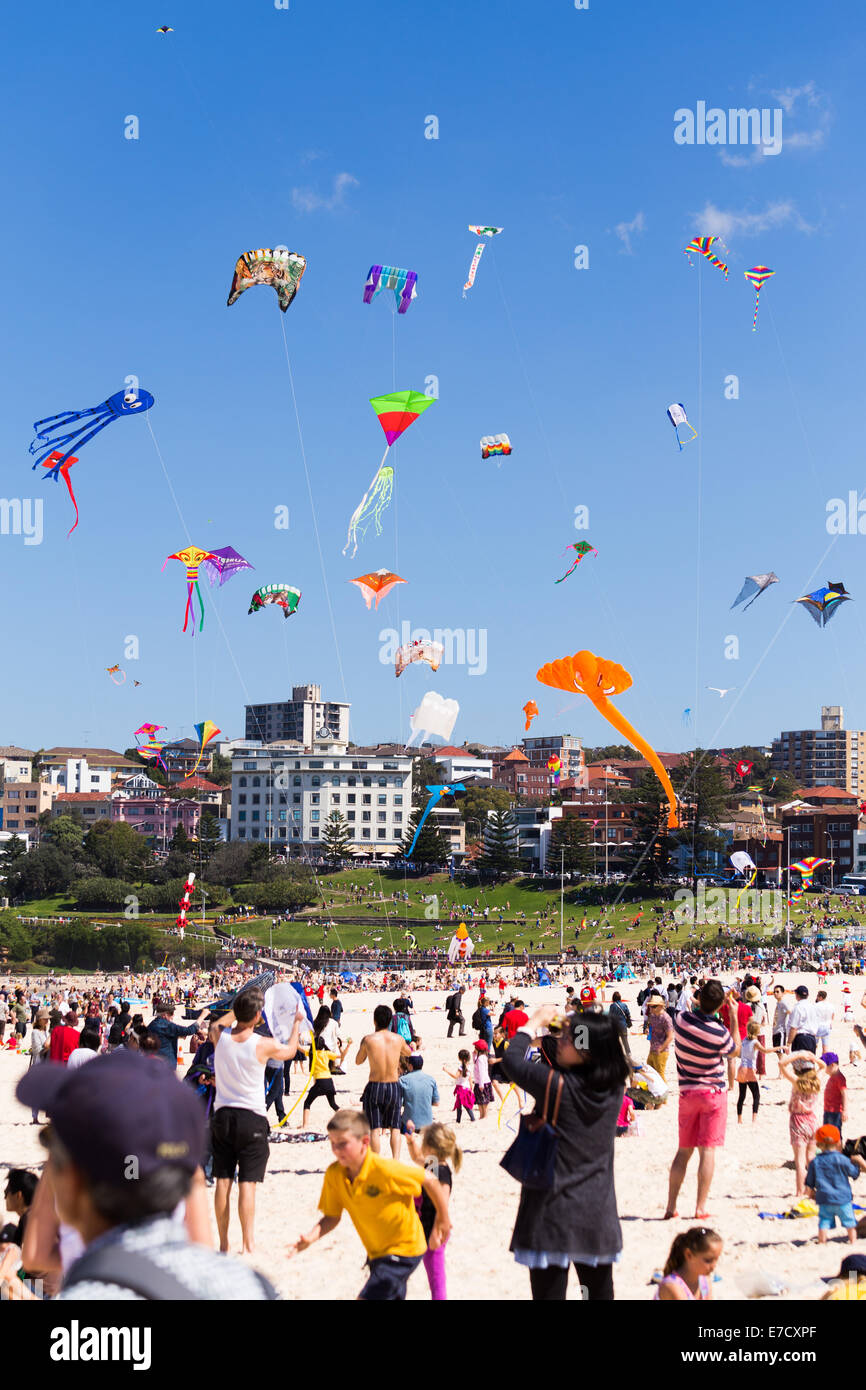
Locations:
{"points": [[747, 1075], [688, 1273], [828, 1182], [464, 1096], [320, 1073], [436, 1152], [801, 1070], [378, 1193], [482, 1087]]}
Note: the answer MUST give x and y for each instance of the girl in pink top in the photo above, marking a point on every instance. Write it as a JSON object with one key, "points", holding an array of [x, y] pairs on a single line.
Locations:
{"points": [[688, 1273], [801, 1069]]}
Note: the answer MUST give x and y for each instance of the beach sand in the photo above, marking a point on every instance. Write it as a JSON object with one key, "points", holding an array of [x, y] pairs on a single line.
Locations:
{"points": [[753, 1173]]}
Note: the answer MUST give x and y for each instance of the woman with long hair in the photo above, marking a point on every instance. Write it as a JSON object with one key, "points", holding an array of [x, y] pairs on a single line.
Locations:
{"points": [[574, 1220]]}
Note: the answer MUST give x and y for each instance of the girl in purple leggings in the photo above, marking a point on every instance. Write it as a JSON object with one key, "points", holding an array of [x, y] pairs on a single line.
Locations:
{"points": [[435, 1149]]}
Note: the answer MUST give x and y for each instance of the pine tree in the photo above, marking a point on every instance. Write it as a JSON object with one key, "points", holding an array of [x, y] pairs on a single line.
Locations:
{"points": [[209, 837], [570, 834], [501, 844], [650, 856], [703, 792], [337, 838], [431, 847]]}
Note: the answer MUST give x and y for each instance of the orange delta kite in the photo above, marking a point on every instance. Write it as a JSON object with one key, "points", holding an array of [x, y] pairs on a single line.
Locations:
{"points": [[377, 585], [530, 709], [597, 679]]}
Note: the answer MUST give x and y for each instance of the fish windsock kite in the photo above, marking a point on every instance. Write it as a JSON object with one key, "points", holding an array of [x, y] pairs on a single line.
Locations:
{"points": [[677, 416], [279, 267], [431, 652], [396, 413], [206, 732], [530, 709], [193, 558], [376, 585], [388, 277], [461, 946], [56, 431], [436, 794], [580, 549], [702, 246], [285, 596], [479, 231], [753, 586], [758, 276], [598, 679]]}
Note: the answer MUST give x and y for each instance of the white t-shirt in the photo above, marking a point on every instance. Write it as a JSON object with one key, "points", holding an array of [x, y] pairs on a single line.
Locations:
{"points": [[80, 1056]]}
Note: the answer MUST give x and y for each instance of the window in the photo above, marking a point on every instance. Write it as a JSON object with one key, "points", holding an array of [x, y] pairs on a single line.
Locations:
{"points": [[380, 834], [314, 833], [284, 800], [390, 767], [316, 781], [398, 817], [381, 801], [242, 799], [255, 834], [296, 798], [314, 815], [381, 816], [315, 799], [257, 781], [398, 800], [296, 815], [382, 781], [365, 834], [335, 781], [242, 834], [351, 815], [282, 832], [365, 815], [335, 798], [282, 815], [296, 834], [316, 763], [256, 798], [365, 800], [296, 781], [242, 781], [359, 766], [352, 781], [257, 815], [249, 767], [366, 782], [351, 798]]}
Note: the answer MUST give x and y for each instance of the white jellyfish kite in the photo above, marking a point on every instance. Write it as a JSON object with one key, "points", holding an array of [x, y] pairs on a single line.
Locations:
{"points": [[434, 715], [677, 417]]}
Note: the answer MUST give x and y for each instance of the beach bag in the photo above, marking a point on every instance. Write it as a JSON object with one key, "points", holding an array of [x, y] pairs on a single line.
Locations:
{"points": [[532, 1157]]}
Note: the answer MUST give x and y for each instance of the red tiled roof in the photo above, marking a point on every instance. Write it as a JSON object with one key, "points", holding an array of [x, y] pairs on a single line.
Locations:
{"points": [[449, 752], [82, 796], [827, 793], [515, 756], [200, 784]]}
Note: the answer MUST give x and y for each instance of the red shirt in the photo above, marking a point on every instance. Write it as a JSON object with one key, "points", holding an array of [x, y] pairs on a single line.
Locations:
{"points": [[744, 1016], [64, 1041], [513, 1021], [834, 1098], [320, 993]]}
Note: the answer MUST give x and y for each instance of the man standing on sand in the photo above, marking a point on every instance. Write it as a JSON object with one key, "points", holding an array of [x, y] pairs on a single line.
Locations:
{"points": [[381, 1097], [701, 1044], [240, 1128]]}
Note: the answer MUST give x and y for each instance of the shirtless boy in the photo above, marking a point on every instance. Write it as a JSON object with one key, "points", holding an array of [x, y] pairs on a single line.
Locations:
{"points": [[380, 1099]]}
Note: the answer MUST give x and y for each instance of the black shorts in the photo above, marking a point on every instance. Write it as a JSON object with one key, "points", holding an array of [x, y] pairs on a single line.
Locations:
{"points": [[240, 1142], [777, 1039], [389, 1275], [804, 1042], [381, 1103]]}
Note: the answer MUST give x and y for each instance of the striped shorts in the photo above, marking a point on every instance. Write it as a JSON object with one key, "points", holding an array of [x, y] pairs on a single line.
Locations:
{"points": [[380, 1101]]}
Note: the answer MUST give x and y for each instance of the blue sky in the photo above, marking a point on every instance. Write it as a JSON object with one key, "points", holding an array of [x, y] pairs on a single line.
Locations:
{"points": [[306, 127]]}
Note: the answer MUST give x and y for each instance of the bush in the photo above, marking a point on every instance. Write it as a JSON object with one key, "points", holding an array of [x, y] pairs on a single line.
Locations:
{"points": [[165, 897], [103, 894], [283, 894]]}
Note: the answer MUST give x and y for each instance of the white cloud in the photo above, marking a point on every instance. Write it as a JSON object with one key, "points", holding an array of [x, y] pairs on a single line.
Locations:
{"points": [[625, 230], [789, 96], [308, 200], [713, 221]]}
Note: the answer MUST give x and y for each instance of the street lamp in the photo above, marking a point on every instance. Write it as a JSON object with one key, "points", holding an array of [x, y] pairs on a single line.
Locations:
{"points": [[561, 899]]}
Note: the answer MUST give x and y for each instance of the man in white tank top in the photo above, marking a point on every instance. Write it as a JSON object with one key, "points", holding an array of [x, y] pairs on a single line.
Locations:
{"points": [[240, 1126]]}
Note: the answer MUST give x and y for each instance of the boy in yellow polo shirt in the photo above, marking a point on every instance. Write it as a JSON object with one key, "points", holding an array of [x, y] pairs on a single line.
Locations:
{"points": [[378, 1193]]}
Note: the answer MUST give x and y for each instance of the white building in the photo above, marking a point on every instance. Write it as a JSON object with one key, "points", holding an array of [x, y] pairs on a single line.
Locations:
{"points": [[457, 764], [284, 797], [532, 833], [84, 769], [306, 719], [15, 764]]}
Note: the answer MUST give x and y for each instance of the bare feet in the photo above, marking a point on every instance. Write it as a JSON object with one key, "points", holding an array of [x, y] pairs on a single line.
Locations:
{"points": [[670, 1215]]}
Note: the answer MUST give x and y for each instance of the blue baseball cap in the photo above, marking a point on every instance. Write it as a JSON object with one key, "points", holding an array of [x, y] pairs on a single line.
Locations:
{"points": [[118, 1108]]}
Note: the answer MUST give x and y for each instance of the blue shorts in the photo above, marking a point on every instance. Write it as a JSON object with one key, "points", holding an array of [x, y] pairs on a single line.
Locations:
{"points": [[833, 1117], [389, 1276], [827, 1216]]}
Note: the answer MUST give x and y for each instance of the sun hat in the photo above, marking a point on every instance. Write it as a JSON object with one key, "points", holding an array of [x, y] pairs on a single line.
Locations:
{"points": [[752, 995], [121, 1107]]}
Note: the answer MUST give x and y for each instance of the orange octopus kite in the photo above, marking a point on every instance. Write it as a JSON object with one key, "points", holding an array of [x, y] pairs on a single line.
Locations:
{"points": [[596, 678]]}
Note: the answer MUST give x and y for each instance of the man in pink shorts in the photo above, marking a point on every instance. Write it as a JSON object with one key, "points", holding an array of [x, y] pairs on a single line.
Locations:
{"points": [[701, 1044]]}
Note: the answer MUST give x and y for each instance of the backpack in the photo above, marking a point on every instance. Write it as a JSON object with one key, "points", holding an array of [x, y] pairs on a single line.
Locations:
{"points": [[477, 1020]]}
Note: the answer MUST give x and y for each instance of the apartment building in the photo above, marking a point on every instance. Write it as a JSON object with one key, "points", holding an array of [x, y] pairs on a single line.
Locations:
{"points": [[457, 764], [831, 756], [566, 747], [516, 774], [84, 769], [16, 764], [285, 797], [306, 719], [21, 805]]}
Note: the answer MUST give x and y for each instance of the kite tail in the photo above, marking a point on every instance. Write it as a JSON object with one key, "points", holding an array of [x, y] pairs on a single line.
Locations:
{"points": [[371, 505], [755, 319], [187, 609], [470, 281], [201, 606], [621, 724], [745, 889]]}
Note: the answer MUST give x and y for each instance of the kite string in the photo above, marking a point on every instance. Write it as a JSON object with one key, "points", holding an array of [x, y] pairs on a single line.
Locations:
{"points": [[313, 511]]}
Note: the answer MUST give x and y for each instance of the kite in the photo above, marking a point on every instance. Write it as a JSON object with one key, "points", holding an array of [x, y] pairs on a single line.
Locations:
{"points": [[580, 549], [436, 794], [720, 692], [388, 277], [396, 413], [758, 276], [479, 231], [151, 751], [59, 460], [186, 895], [753, 586], [461, 946], [192, 557], [284, 595], [702, 246], [530, 709], [116, 671], [597, 678], [677, 415], [435, 715], [807, 867], [495, 445], [687, 716], [280, 268], [823, 603], [165, 29], [206, 731], [743, 862], [376, 585], [225, 564], [743, 767], [554, 765], [431, 652]]}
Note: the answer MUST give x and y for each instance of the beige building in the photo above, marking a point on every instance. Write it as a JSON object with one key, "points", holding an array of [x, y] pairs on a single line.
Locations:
{"points": [[831, 756], [21, 805], [16, 764]]}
